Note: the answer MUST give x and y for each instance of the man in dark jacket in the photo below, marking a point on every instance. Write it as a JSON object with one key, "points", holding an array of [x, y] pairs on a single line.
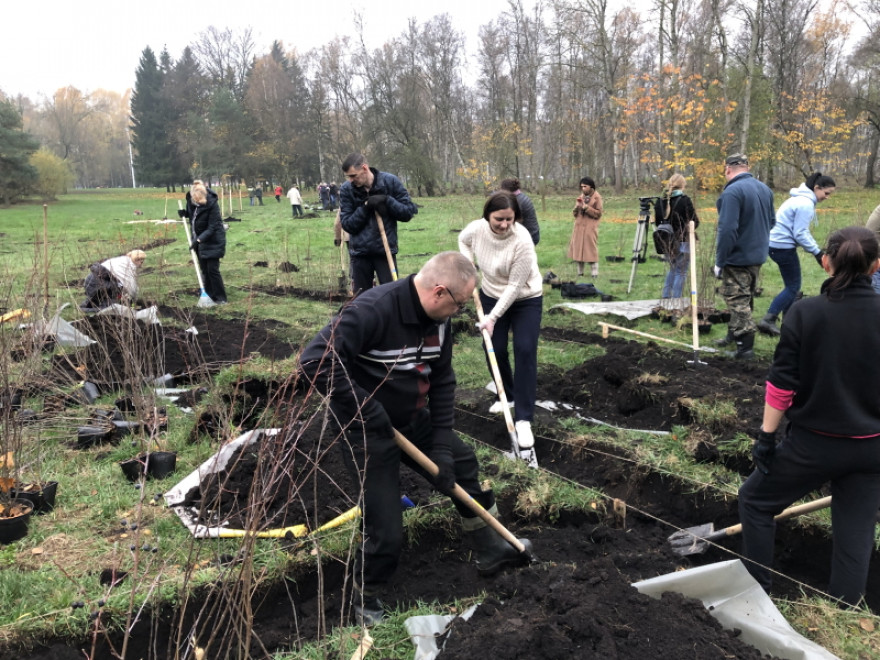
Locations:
{"points": [[526, 207], [386, 363], [745, 217], [366, 194]]}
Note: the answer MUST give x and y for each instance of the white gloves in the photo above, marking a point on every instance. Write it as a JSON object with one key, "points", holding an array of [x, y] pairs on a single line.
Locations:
{"points": [[717, 271], [486, 324]]}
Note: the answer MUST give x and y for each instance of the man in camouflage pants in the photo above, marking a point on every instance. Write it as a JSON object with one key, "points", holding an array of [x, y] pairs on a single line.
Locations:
{"points": [[745, 217]]}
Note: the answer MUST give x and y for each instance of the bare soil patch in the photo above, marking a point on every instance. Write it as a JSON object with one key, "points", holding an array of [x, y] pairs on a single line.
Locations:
{"points": [[576, 602]]}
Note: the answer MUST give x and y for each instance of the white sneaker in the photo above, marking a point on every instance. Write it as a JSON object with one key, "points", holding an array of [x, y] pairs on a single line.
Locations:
{"points": [[524, 435], [497, 409]]}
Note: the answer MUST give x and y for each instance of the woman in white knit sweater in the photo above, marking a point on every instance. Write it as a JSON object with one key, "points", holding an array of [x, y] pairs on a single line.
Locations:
{"points": [[511, 293]]}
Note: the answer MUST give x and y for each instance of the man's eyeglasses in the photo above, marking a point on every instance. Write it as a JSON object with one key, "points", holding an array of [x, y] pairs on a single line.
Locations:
{"points": [[460, 305]]}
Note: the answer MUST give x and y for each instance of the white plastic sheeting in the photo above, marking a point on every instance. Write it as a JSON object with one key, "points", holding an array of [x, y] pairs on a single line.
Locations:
{"points": [[733, 597], [630, 309]]}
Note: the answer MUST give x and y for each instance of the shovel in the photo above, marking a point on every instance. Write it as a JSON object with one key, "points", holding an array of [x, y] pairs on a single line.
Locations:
{"points": [[464, 497], [343, 276], [204, 298], [528, 455], [387, 247], [297, 531], [696, 540]]}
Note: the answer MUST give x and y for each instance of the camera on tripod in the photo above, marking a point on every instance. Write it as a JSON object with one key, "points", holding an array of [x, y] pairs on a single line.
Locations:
{"points": [[640, 241], [645, 203]]}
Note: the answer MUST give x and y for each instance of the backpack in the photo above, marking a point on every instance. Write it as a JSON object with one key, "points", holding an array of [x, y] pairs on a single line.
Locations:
{"points": [[573, 290], [665, 240]]}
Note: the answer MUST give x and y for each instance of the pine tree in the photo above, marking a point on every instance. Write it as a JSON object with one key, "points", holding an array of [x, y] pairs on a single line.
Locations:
{"points": [[17, 175], [150, 135]]}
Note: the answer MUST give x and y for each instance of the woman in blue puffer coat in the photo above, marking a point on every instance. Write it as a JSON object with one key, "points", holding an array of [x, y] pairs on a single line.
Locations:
{"points": [[792, 229]]}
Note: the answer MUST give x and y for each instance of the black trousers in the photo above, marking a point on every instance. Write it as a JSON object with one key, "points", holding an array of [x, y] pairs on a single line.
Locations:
{"points": [[523, 318], [376, 463], [805, 461], [363, 268], [213, 280]]}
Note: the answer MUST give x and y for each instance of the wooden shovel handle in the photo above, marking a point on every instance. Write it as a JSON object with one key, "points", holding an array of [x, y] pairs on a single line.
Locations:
{"points": [[458, 492], [790, 512], [384, 236], [496, 373]]}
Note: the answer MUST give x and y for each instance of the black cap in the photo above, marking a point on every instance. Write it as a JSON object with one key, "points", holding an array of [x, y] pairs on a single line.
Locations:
{"points": [[737, 159]]}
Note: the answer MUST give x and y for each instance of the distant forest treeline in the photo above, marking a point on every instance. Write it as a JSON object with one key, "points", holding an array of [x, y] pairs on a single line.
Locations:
{"points": [[562, 90]]}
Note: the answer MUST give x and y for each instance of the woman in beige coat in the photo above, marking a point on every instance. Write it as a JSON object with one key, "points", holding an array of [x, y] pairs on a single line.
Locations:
{"points": [[584, 244]]}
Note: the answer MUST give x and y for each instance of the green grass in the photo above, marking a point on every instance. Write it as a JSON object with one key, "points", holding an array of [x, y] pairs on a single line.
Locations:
{"points": [[86, 533]]}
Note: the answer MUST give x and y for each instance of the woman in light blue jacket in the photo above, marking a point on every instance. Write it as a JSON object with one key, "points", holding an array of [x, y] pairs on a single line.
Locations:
{"points": [[792, 229]]}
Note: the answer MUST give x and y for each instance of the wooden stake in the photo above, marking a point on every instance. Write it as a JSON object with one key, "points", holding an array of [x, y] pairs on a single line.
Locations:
{"points": [[694, 316], [46, 253], [606, 326]]}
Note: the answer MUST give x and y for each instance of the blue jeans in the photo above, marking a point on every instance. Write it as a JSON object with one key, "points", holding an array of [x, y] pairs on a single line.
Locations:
{"points": [[678, 266], [790, 269]]}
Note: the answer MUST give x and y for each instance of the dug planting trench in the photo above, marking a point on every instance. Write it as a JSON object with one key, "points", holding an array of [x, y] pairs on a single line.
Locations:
{"points": [[576, 600]]}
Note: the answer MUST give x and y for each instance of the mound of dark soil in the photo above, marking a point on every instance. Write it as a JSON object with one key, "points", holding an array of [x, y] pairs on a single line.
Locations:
{"points": [[644, 386], [129, 350], [587, 611]]}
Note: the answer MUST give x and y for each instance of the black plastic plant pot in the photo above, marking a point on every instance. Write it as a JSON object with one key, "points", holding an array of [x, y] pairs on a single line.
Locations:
{"points": [[155, 465], [41, 495], [122, 428], [134, 468], [13, 528], [91, 392], [614, 258], [161, 464], [86, 436]]}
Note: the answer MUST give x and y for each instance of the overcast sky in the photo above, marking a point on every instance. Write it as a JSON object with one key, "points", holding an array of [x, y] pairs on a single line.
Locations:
{"points": [[95, 44]]}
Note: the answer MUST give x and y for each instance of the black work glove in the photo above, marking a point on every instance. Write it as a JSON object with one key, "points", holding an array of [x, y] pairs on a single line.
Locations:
{"points": [[441, 454], [194, 246], [181, 213], [764, 450], [337, 242], [376, 203], [819, 256]]}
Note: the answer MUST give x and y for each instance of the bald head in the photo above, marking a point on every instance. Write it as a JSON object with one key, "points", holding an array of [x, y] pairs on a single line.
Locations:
{"points": [[445, 284]]}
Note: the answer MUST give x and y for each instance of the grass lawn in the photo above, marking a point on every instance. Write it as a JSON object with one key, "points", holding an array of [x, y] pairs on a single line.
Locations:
{"points": [[88, 226]]}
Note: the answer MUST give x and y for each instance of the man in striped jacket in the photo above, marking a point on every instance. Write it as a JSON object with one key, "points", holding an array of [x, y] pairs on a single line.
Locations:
{"points": [[386, 363]]}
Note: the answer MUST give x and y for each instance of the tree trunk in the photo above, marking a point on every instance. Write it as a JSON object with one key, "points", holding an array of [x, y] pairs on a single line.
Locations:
{"points": [[872, 159]]}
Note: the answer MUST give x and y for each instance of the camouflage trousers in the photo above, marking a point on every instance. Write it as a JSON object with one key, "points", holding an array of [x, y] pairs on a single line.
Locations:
{"points": [[738, 290]]}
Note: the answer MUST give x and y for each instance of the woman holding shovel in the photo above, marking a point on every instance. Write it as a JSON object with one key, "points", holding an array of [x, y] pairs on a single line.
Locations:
{"points": [[511, 294], [208, 237], [822, 379]]}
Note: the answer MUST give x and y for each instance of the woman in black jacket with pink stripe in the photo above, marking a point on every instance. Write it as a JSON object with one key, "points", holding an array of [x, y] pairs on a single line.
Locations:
{"points": [[823, 379]]}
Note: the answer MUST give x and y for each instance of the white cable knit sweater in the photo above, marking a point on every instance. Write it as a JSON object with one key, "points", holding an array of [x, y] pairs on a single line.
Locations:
{"points": [[508, 263]]}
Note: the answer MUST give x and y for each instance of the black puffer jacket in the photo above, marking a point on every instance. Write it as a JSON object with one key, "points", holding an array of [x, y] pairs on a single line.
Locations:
{"points": [[360, 222], [207, 226], [682, 212]]}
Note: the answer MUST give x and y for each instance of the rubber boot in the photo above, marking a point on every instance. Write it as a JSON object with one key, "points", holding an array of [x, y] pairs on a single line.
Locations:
{"points": [[744, 346], [767, 325], [494, 553], [368, 608], [726, 341]]}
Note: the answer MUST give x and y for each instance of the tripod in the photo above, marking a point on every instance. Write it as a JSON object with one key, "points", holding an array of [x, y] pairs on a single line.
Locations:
{"points": [[640, 241]]}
